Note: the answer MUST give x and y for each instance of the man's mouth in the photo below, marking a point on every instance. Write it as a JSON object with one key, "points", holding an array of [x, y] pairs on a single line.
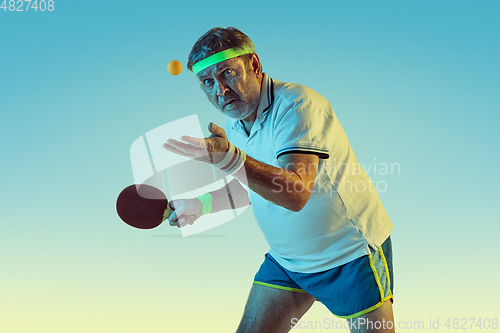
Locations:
{"points": [[228, 103]]}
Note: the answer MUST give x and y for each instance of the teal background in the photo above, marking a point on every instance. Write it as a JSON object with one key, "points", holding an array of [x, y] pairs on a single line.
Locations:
{"points": [[413, 83]]}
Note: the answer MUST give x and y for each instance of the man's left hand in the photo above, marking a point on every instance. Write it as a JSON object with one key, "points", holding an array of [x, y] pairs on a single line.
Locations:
{"points": [[210, 150]]}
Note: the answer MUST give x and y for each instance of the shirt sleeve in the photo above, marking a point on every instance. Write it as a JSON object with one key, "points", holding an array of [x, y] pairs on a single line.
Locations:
{"points": [[304, 127]]}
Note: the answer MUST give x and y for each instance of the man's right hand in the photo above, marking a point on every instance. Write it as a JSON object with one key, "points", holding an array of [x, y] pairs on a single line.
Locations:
{"points": [[186, 211]]}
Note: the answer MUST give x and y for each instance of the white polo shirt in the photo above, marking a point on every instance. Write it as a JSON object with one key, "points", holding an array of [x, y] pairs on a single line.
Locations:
{"points": [[344, 216]]}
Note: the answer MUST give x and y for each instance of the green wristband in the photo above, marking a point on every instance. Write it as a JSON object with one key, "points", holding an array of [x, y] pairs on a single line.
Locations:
{"points": [[206, 202]]}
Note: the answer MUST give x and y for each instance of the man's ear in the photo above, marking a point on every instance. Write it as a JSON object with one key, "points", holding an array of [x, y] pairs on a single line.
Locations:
{"points": [[256, 65]]}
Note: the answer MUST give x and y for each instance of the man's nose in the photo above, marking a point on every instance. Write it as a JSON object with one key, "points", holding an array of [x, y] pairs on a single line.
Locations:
{"points": [[220, 88]]}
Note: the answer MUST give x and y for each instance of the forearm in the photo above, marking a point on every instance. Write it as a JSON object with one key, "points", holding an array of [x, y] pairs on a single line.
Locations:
{"points": [[221, 198], [288, 186], [280, 186]]}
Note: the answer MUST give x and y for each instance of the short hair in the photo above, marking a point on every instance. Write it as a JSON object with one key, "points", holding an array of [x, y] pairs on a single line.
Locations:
{"points": [[216, 40]]}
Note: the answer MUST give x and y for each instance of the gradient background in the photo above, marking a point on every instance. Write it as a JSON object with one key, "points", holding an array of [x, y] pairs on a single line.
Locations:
{"points": [[413, 82]]}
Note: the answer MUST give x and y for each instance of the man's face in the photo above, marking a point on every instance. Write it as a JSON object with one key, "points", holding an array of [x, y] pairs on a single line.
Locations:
{"points": [[233, 87]]}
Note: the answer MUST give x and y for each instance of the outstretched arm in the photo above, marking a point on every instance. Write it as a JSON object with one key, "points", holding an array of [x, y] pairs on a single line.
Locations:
{"points": [[288, 185]]}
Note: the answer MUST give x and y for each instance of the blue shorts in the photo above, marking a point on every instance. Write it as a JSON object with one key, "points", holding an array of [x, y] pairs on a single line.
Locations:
{"points": [[348, 291]]}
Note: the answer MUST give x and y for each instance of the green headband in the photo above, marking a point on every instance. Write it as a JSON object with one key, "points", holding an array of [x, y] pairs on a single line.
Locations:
{"points": [[218, 57]]}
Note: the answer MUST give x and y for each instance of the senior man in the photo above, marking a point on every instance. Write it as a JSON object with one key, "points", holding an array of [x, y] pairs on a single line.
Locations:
{"points": [[328, 233]]}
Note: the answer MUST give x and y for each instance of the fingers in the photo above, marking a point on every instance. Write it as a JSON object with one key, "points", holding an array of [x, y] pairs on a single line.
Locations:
{"points": [[172, 218], [183, 221], [178, 210], [177, 218], [187, 220], [197, 142], [216, 130], [177, 151], [194, 150]]}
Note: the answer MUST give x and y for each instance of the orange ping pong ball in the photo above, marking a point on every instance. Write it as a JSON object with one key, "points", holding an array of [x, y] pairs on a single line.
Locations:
{"points": [[174, 67]]}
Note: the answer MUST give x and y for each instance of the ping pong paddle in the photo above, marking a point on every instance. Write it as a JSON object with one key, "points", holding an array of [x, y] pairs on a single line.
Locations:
{"points": [[143, 206]]}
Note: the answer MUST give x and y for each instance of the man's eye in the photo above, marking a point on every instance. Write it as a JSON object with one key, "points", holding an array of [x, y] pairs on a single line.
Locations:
{"points": [[228, 72], [207, 82]]}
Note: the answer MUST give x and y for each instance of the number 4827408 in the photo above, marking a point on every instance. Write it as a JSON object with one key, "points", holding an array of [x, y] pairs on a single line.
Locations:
{"points": [[19, 5]]}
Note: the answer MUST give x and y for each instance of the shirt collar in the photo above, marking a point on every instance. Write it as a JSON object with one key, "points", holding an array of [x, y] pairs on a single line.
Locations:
{"points": [[266, 100]]}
